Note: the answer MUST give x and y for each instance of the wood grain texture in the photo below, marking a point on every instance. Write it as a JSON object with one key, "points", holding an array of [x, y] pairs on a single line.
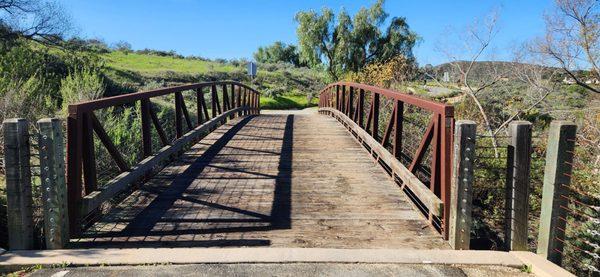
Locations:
{"points": [[280, 180]]}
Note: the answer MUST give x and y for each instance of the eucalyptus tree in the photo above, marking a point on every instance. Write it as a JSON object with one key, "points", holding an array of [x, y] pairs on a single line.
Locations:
{"points": [[344, 43]]}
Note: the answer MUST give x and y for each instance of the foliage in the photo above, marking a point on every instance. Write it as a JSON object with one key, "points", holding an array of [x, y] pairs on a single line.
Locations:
{"points": [[158, 64], [398, 69], [286, 102], [125, 132], [91, 45], [81, 85], [278, 52], [31, 76], [25, 80], [161, 53], [347, 44], [572, 40], [123, 46], [275, 92]]}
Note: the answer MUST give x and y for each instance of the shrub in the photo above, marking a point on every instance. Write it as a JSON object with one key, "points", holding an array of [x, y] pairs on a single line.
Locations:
{"points": [[398, 69], [81, 85], [29, 81], [275, 92]]}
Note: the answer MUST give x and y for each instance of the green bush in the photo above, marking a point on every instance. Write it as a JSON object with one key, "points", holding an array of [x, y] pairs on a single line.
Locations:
{"points": [[275, 92], [81, 85], [29, 81]]}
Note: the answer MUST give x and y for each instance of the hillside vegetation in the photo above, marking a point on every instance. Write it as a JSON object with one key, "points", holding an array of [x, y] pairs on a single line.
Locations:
{"points": [[283, 86], [155, 65]]}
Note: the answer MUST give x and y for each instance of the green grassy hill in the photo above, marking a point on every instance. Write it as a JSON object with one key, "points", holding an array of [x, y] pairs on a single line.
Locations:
{"points": [[151, 64], [283, 86]]}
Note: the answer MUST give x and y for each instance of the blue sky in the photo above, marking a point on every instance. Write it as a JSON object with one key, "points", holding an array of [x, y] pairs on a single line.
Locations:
{"points": [[235, 29]]}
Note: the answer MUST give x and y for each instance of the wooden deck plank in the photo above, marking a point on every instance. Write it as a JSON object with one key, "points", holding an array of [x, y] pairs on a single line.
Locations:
{"points": [[283, 180]]}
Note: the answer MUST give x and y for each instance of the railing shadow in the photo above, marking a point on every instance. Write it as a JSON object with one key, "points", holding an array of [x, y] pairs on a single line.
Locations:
{"points": [[191, 208]]}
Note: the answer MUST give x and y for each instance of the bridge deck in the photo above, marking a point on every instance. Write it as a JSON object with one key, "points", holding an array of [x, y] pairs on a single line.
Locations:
{"points": [[281, 180]]}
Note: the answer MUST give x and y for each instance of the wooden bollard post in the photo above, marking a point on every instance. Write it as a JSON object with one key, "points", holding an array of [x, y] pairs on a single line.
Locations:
{"points": [[462, 184], [18, 184], [518, 166], [557, 177], [54, 187]]}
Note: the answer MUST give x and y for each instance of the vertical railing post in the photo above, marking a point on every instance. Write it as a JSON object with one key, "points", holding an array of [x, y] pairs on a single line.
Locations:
{"points": [[225, 98], [74, 181], [434, 182], [54, 188], [179, 115], [517, 185], [462, 184], [375, 122], [253, 102], [361, 108], [250, 96], [257, 103], [233, 103], [329, 98], [88, 154], [398, 127], [349, 110], [557, 178], [343, 101], [337, 98], [199, 103], [214, 101], [18, 184], [445, 179], [146, 134], [239, 99], [245, 101]]}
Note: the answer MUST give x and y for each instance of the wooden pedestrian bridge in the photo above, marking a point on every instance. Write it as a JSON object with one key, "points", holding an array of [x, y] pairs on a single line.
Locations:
{"points": [[369, 169], [206, 173]]}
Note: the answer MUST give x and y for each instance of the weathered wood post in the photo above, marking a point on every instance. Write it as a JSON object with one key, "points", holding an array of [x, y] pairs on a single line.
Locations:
{"points": [[18, 184], [462, 184], [518, 165], [557, 177], [54, 187]]}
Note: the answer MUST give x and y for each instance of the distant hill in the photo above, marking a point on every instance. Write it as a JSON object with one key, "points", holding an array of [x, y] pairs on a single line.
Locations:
{"points": [[482, 69]]}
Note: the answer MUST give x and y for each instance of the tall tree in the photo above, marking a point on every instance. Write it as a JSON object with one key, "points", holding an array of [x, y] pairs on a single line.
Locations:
{"points": [[278, 52], [572, 40], [348, 43]]}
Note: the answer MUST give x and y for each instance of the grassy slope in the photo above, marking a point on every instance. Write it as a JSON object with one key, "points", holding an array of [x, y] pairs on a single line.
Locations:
{"points": [[152, 66]]}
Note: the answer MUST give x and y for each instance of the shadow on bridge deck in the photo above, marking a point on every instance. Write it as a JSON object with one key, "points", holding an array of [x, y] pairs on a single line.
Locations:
{"points": [[282, 180]]}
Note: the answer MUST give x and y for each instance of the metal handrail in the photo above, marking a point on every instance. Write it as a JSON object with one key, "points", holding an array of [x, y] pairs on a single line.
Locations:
{"points": [[82, 124], [348, 99]]}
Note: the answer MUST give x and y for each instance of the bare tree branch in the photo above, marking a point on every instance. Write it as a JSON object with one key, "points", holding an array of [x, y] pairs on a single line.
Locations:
{"points": [[572, 39], [40, 20]]}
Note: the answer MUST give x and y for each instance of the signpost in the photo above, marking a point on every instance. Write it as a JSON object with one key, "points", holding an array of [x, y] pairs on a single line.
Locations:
{"points": [[252, 69]]}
